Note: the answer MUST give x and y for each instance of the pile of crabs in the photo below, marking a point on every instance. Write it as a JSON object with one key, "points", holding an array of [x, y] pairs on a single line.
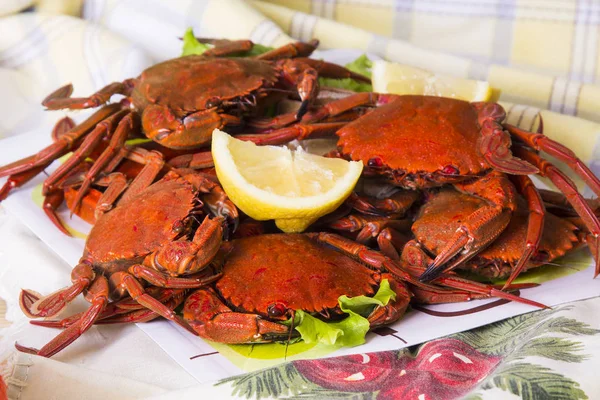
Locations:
{"points": [[446, 189]]}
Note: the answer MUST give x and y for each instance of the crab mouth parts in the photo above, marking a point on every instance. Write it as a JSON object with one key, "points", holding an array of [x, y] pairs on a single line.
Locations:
{"points": [[418, 179]]}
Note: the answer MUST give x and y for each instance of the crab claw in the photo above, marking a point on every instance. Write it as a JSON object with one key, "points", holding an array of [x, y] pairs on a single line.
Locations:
{"points": [[34, 305], [213, 320], [432, 272], [24, 349], [27, 298], [439, 264]]}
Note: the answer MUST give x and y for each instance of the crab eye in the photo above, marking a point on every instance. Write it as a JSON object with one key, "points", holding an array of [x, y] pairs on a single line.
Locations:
{"points": [[276, 310], [177, 227], [212, 102], [450, 170], [375, 162]]}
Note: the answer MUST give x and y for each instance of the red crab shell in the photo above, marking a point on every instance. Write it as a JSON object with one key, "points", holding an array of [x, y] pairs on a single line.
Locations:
{"points": [[143, 227], [291, 270], [421, 141], [191, 83]]}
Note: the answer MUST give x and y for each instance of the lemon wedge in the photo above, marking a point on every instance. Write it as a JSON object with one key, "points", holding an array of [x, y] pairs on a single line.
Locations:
{"points": [[292, 187], [388, 77]]}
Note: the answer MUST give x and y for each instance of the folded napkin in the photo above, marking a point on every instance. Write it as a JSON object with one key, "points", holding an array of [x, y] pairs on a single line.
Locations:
{"points": [[542, 56]]}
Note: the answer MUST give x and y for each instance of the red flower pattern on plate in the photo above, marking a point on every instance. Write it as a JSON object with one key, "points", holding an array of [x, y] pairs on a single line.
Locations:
{"points": [[442, 369]]}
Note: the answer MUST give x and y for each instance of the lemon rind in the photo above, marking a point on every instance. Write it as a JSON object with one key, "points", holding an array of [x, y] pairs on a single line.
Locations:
{"points": [[340, 190]]}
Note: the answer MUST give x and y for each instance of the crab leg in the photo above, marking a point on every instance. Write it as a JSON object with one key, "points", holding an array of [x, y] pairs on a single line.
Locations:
{"points": [[137, 292], [120, 312], [480, 228], [184, 132], [115, 184], [304, 72], [368, 226], [283, 120], [61, 128], [112, 309], [35, 306], [103, 129], [298, 131], [19, 179], [378, 260], [330, 70], [51, 203], [395, 308], [307, 129], [579, 203], [159, 279], [446, 295], [143, 315], [495, 144], [153, 164], [397, 204], [98, 291], [61, 98], [57, 149], [535, 225], [541, 142], [224, 48], [194, 161], [290, 50], [415, 260], [117, 141], [561, 205], [389, 241], [365, 99], [213, 320]]}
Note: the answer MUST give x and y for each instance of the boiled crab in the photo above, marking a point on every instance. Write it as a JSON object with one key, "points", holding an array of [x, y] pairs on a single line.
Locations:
{"points": [[267, 277], [151, 237]]}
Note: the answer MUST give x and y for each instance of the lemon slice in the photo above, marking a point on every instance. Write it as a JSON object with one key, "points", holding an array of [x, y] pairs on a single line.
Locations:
{"points": [[292, 187], [396, 78]]}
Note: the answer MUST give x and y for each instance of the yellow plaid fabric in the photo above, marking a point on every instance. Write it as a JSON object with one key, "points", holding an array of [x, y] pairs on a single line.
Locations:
{"points": [[539, 53]]}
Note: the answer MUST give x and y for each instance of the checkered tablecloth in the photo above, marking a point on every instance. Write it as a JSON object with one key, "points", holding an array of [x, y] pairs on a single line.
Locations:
{"points": [[544, 56]]}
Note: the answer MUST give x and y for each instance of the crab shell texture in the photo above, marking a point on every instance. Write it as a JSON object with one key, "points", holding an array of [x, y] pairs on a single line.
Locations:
{"points": [[176, 88], [443, 214], [128, 233], [291, 270], [419, 141]]}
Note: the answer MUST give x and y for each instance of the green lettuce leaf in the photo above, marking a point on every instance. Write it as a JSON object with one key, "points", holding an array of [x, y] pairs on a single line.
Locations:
{"points": [[191, 45], [363, 305], [362, 65], [351, 330]]}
